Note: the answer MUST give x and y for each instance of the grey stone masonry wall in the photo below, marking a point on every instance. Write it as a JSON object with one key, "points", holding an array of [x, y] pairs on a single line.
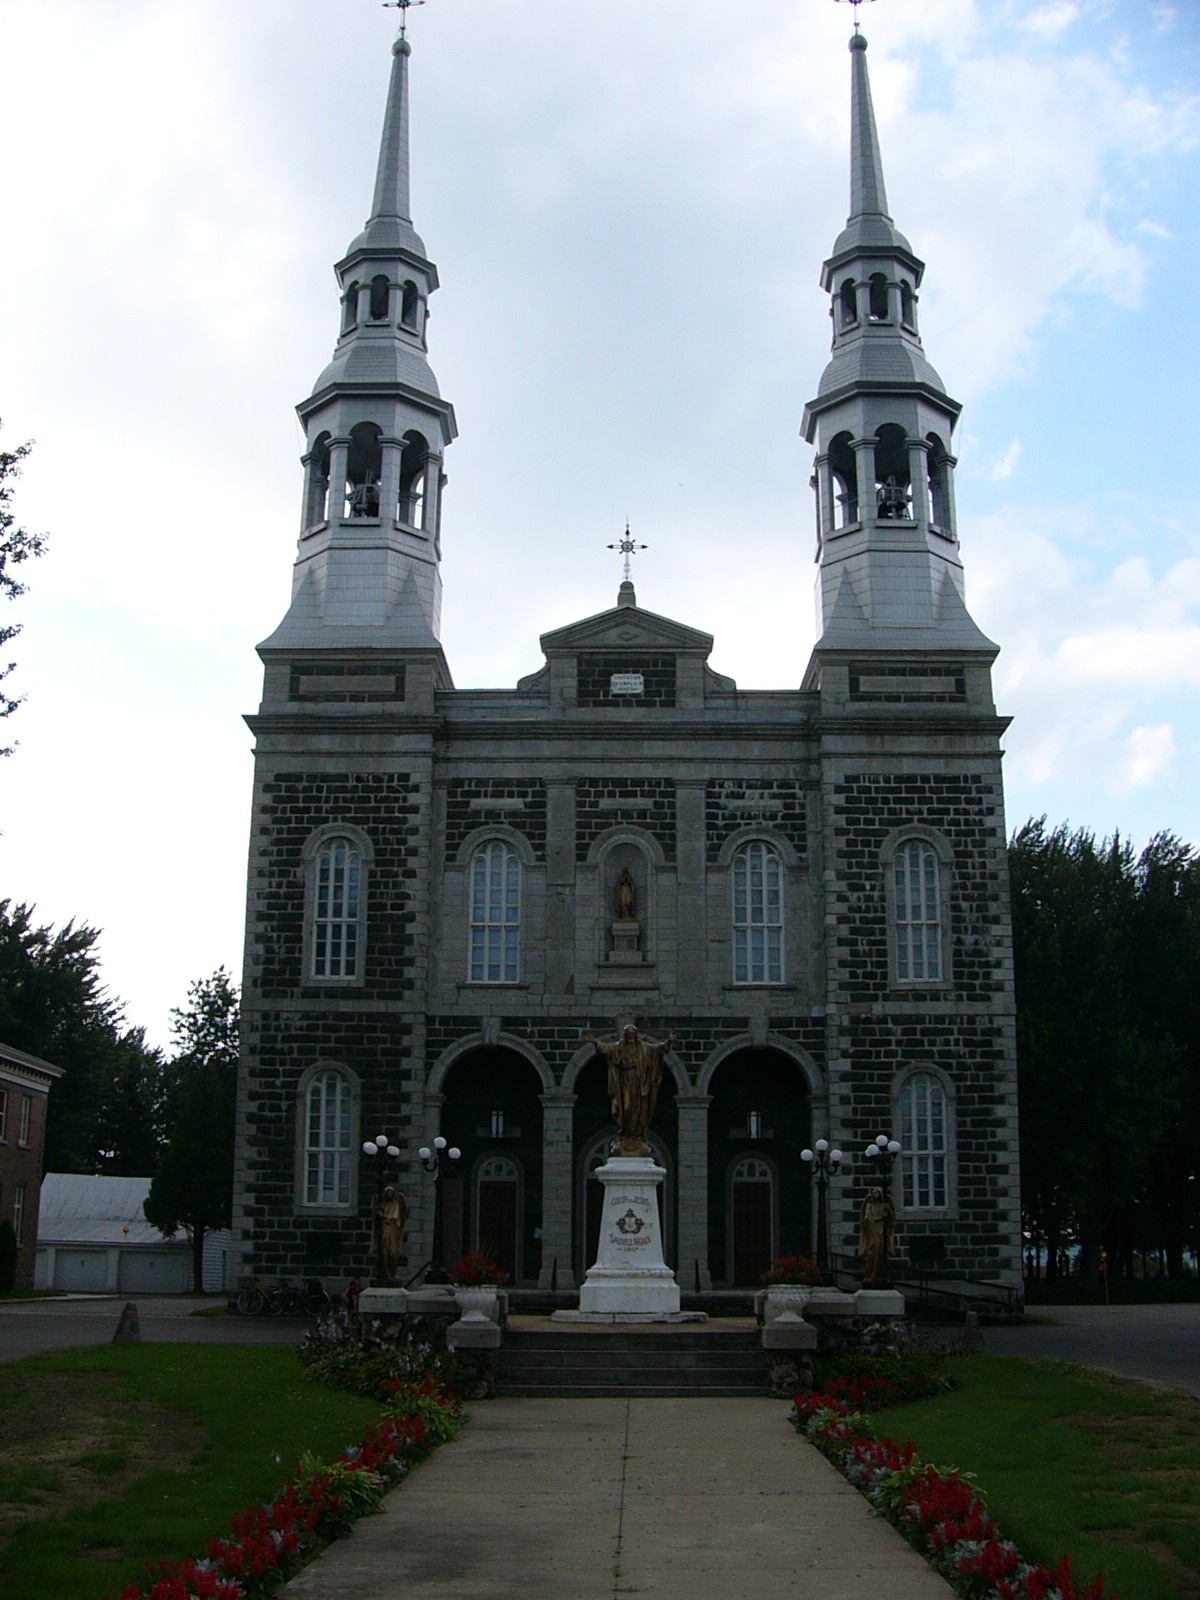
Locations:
{"points": [[732, 804], [605, 802], [595, 673], [973, 1054], [385, 806], [346, 683], [472, 803], [966, 809]]}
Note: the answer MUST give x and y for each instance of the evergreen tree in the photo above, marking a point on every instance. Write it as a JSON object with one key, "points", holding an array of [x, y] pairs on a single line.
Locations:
{"points": [[193, 1187], [16, 546]]}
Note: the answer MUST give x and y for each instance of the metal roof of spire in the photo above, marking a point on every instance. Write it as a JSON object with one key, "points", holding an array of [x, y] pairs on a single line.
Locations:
{"points": [[390, 223], [869, 224]]}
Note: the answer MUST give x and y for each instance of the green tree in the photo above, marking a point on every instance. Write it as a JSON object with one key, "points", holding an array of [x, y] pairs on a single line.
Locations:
{"points": [[17, 545], [129, 1111], [193, 1187], [1099, 1086]]}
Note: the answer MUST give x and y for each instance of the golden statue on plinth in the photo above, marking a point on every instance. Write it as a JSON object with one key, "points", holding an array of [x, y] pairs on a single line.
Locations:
{"points": [[634, 1075]]}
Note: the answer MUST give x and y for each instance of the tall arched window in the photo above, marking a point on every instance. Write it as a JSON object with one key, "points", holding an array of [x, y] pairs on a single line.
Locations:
{"points": [[350, 307], [757, 915], [336, 910], [848, 303], [414, 462], [878, 296], [925, 1139], [328, 1142], [410, 304], [917, 904], [495, 914], [380, 289]]}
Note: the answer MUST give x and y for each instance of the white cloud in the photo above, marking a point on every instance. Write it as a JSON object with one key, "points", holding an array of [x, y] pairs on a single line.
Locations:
{"points": [[1151, 751], [1005, 463], [1052, 20]]}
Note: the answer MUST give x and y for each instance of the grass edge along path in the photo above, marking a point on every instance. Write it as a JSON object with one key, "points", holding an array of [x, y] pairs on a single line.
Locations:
{"points": [[1073, 1462], [258, 1416]]}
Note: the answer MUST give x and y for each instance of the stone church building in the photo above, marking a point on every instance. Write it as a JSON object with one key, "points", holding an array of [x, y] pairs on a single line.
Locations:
{"points": [[449, 888]]}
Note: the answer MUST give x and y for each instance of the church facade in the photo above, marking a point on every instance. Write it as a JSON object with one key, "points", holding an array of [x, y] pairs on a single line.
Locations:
{"points": [[449, 889]]}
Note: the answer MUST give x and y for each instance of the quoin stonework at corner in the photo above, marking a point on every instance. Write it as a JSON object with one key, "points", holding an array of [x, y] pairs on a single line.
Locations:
{"points": [[449, 888]]}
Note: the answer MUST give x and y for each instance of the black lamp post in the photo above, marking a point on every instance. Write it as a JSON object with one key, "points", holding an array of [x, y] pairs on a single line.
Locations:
{"points": [[825, 1162], [882, 1153], [439, 1161], [381, 1151]]}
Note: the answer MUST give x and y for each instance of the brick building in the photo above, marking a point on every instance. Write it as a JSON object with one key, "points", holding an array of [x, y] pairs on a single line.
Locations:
{"points": [[25, 1084], [449, 887]]}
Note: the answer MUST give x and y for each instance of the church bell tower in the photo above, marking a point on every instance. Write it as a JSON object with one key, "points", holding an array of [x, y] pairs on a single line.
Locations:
{"points": [[376, 428]]}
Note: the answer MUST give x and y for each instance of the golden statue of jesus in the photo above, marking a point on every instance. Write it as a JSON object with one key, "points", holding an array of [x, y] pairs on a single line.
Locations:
{"points": [[634, 1074]]}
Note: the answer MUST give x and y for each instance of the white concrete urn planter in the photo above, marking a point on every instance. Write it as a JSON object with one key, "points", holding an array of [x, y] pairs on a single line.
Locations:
{"points": [[478, 1302], [787, 1300]]}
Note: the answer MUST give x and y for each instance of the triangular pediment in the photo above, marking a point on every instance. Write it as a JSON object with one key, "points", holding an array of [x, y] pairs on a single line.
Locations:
{"points": [[626, 627]]}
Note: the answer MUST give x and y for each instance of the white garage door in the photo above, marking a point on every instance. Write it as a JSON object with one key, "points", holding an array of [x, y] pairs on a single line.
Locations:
{"points": [[81, 1271], [156, 1271]]}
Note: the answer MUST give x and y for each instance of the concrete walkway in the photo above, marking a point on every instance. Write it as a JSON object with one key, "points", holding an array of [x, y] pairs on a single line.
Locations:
{"points": [[593, 1499]]}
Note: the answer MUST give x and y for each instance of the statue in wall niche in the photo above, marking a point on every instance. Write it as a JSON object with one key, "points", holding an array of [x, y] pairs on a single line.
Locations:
{"points": [[389, 1213], [634, 1075], [876, 1234], [626, 897]]}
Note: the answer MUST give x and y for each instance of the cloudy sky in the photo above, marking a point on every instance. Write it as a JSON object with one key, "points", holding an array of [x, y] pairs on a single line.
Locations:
{"points": [[629, 204]]}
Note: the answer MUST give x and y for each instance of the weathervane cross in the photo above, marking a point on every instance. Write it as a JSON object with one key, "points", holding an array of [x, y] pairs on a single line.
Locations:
{"points": [[627, 548], [402, 7], [854, 3]]}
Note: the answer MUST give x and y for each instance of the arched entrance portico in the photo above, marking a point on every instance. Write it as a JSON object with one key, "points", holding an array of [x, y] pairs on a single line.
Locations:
{"points": [[492, 1111], [759, 1192]]}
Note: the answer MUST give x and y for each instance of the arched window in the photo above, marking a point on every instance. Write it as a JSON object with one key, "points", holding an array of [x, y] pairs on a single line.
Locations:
{"points": [[757, 915], [848, 303], [845, 480], [878, 298], [379, 298], [350, 307], [336, 909], [414, 461], [916, 882], [318, 481], [410, 305], [925, 1140], [364, 464], [893, 490], [495, 914], [908, 306], [328, 1141], [938, 458]]}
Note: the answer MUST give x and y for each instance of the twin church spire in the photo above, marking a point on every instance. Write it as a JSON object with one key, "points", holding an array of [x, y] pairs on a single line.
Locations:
{"points": [[890, 573], [376, 427], [376, 430]]}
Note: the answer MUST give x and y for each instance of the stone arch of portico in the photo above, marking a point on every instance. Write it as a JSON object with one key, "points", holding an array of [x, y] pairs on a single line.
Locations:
{"points": [[813, 1076], [484, 1041], [585, 1052]]}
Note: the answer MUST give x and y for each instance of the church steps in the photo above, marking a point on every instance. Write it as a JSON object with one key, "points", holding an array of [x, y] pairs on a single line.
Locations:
{"points": [[635, 1364]]}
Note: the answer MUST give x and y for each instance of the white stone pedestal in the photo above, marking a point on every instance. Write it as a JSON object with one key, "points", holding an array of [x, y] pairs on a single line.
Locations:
{"points": [[630, 1278]]}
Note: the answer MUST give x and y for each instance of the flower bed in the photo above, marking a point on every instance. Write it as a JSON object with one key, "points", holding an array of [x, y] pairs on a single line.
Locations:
{"points": [[269, 1544], [940, 1512]]}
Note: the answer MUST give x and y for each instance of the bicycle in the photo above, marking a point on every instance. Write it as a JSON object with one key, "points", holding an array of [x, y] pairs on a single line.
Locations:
{"points": [[252, 1302]]}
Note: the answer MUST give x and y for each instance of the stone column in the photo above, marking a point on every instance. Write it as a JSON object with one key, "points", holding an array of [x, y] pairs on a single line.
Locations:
{"points": [[825, 517], [918, 474], [431, 509], [560, 885], [692, 944], [558, 1164], [864, 472], [692, 1230], [339, 452], [389, 479]]}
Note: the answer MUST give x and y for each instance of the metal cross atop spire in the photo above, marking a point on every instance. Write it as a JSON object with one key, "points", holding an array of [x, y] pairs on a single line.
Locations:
{"points": [[402, 7], [627, 547], [854, 3]]}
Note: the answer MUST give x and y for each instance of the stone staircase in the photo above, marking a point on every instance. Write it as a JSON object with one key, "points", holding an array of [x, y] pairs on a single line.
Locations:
{"points": [[671, 1361]]}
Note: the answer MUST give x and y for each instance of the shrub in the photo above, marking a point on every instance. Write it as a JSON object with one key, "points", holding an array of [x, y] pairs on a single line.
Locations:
{"points": [[8, 1257]]}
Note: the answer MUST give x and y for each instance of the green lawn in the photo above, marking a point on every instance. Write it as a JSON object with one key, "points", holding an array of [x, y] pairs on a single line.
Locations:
{"points": [[228, 1421], [1074, 1463]]}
